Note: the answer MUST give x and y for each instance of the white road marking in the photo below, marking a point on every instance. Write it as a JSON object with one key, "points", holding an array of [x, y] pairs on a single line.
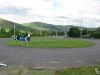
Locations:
{"points": [[54, 62], [79, 61], [2, 64], [98, 60]]}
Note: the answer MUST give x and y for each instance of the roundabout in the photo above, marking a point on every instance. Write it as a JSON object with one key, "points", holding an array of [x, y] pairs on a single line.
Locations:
{"points": [[49, 57]]}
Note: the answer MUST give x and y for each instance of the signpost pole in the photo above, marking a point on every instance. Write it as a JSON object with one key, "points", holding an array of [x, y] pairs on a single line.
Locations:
{"points": [[14, 34], [27, 43], [16, 42]]}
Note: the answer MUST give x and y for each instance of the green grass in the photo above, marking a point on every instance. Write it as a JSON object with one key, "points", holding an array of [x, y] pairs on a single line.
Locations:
{"points": [[90, 70], [45, 42], [34, 26], [25, 71], [78, 71]]}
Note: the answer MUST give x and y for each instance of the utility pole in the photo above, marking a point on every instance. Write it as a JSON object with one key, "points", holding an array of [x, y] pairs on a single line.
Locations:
{"points": [[68, 24], [68, 19], [81, 26], [41, 27], [14, 28]]}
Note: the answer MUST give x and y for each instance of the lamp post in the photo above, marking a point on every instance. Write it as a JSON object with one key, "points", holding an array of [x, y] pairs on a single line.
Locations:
{"points": [[41, 27], [81, 26], [81, 23], [14, 29], [68, 19]]}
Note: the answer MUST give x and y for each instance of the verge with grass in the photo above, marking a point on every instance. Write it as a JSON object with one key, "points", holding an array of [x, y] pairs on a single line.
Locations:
{"points": [[79, 71], [44, 42], [90, 70]]}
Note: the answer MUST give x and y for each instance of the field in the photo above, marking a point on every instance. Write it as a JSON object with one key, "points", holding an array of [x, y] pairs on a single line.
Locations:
{"points": [[69, 71], [47, 42]]}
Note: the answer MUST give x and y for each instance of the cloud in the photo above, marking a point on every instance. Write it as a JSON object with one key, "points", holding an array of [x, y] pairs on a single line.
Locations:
{"points": [[13, 10], [55, 11], [56, 5], [63, 17]]}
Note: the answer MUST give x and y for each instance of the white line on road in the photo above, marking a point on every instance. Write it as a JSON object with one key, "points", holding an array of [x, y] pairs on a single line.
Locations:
{"points": [[98, 60], [79, 61], [54, 62]]}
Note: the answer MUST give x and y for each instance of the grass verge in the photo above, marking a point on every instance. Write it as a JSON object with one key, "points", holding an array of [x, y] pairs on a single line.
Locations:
{"points": [[45, 42], [69, 71], [79, 71]]}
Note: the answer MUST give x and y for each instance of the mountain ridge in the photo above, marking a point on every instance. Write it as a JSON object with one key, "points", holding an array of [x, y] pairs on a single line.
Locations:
{"points": [[9, 25], [46, 26], [31, 26]]}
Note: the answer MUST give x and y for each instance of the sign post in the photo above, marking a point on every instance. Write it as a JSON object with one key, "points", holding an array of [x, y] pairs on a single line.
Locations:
{"points": [[16, 40], [23, 38], [28, 39]]}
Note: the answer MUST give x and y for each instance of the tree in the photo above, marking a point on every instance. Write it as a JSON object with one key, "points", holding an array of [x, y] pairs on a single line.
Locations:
{"points": [[3, 33], [98, 29], [85, 32], [2, 30], [36, 33], [11, 32], [60, 33], [74, 32], [96, 34], [52, 33]]}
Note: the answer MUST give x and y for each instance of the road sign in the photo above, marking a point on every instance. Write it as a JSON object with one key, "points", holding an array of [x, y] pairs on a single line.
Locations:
{"points": [[23, 38]]}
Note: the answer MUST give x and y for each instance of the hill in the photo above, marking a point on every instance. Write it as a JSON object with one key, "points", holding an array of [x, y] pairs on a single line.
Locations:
{"points": [[44, 26], [9, 25], [35, 26]]}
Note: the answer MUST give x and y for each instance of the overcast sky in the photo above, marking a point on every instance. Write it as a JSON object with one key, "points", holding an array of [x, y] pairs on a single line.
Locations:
{"points": [[61, 12]]}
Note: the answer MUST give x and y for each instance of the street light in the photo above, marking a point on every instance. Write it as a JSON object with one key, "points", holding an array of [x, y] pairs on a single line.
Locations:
{"points": [[68, 19], [81, 23], [81, 26], [41, 27], [14, 28]]}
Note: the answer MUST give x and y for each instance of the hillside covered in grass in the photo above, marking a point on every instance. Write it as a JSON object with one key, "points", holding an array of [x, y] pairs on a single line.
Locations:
{"points": [[45, 26], [9, 25], [35, 26]]}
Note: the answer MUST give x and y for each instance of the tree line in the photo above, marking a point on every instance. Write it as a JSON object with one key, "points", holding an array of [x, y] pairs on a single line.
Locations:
{"points": [[74, 32], [84, 33], [10, 32]]}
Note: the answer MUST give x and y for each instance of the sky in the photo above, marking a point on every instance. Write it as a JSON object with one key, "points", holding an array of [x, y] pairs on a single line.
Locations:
{"points": [[59, 12]]}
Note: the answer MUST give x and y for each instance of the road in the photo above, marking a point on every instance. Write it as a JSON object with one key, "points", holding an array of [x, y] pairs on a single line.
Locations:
{"points": [[44, 57]]}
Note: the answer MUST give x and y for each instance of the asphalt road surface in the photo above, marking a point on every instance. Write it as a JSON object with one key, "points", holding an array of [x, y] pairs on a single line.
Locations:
{"points": [[56, 57]]}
